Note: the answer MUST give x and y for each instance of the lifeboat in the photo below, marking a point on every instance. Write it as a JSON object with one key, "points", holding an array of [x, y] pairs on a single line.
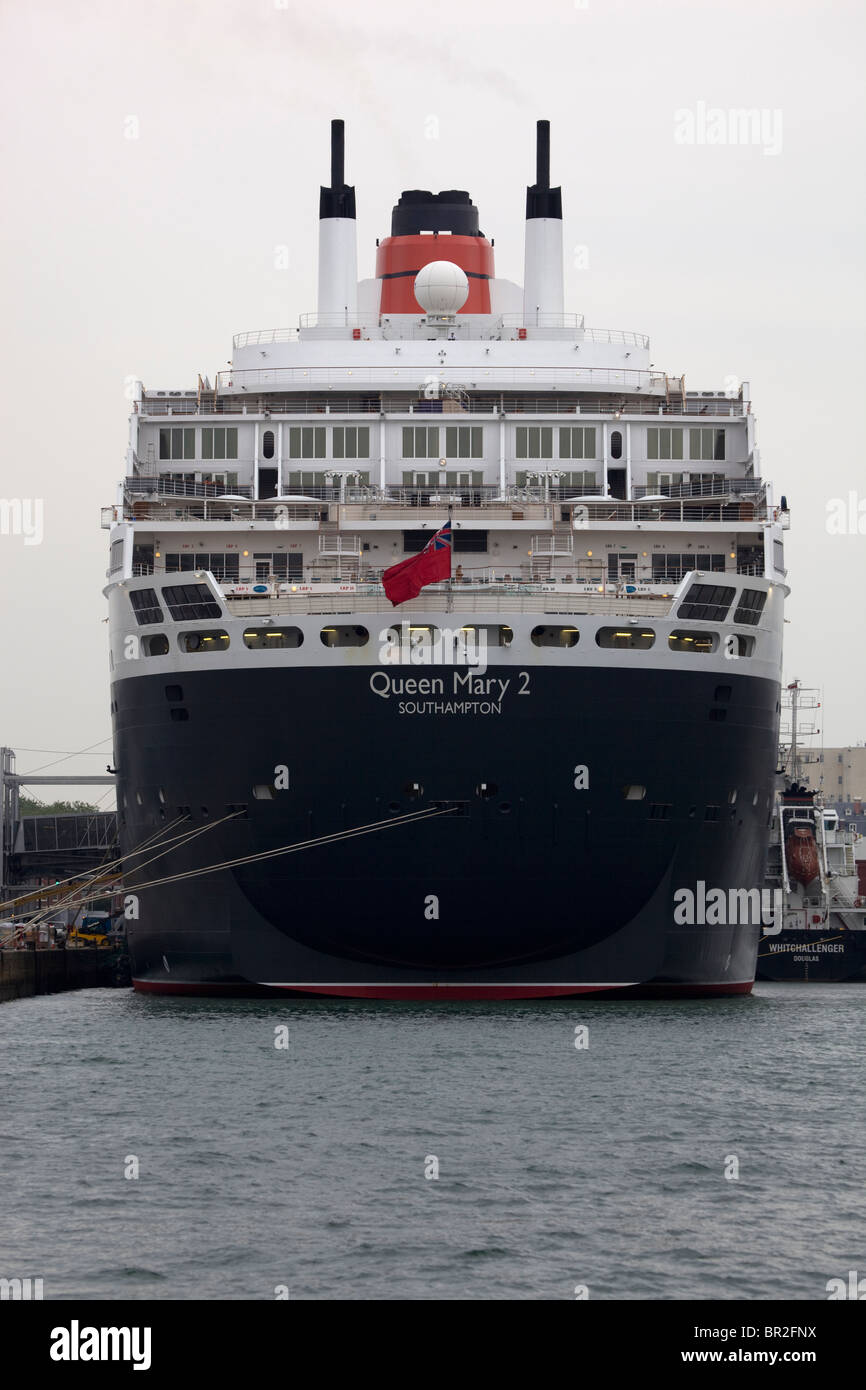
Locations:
{"points": [[801, 854]]}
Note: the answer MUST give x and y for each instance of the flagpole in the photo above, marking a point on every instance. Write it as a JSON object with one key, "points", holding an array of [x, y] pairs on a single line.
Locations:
{"points": [[450, 599]]}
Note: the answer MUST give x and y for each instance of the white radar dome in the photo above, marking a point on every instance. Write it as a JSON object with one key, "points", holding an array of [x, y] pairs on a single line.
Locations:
{"points": [[441, 287]]}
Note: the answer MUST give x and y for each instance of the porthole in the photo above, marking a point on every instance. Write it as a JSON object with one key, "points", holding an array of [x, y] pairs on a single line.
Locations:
{"points": [[494, 634], [625, 638], [345, 636], [272, 638], [263, 791], [694, 643], [739, 645], [268, 444], [633, 791], [554, 636], [616, 444], [155, 645], [204, 642]]}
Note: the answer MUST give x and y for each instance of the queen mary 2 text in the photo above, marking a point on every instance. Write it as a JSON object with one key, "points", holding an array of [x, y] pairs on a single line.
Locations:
{"points": [[462, 684]]}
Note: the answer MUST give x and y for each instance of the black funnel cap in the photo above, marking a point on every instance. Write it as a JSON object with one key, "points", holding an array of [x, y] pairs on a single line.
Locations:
{"points": [[421, 211], [339, 199], [541, 199]]}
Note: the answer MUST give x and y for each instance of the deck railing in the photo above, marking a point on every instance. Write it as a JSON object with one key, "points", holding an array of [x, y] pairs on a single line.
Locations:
{"points": [[485, 401]]}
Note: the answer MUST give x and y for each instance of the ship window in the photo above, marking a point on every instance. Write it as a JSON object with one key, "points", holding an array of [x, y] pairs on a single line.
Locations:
{"points": [[307, 442], [145, 606], [707, 444], [344, 636], [534, 442], [187, 601], [616, 444], [464, 442], [212, 639], [738, 645], [709, 602], [220, 566], [577, 442], [664, 443], [750, 607], [413, 541], [660, 811], [219, 442], [177, 444], [555, 636], [474, 542], [420, 441], [272, 638], [268, 444], [263, 791], [633, 792], [712, 813], [568, 482], [350, 442], [625, 639], [155, 645], [684, 641]]}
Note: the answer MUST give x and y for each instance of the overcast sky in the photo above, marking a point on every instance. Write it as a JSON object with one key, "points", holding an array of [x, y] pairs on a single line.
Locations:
{"points": [[155, 153]]}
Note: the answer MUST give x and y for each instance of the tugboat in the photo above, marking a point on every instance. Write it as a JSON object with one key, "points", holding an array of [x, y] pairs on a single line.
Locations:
{"points": [[341, 772], [820, 929]]}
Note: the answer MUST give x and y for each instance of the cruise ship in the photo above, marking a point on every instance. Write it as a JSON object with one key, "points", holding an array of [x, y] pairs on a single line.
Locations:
{"points": [[527, 781]]}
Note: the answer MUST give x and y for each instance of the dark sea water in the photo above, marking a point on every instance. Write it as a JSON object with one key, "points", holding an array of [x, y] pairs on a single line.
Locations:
{"points": [[558, 1167]]}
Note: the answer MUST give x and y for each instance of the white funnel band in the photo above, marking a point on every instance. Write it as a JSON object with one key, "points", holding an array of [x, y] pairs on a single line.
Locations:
{"points": [[542, 281], [338, 267]]}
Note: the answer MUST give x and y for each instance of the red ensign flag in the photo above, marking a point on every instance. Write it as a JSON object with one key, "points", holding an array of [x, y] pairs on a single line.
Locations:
{"points": [[432, 564]]}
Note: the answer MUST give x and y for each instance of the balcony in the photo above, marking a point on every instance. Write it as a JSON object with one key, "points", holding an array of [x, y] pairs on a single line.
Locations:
{"points": [[562, 544], [142, 486], [338, 545]]}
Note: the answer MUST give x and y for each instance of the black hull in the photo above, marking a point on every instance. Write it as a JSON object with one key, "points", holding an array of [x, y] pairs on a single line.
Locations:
{"points": [[832, 955], [542, 889]]}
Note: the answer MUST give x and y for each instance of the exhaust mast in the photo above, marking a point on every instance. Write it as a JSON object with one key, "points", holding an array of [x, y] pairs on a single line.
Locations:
{"points": [[338, 243], [542, 280]]}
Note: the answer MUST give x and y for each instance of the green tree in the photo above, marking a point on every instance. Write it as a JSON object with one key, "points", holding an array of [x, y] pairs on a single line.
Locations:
{"points": [[29, 806]]}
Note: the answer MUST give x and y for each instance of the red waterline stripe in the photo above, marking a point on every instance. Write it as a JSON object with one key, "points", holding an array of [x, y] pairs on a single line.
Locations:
{"points": [[430, 992]]}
